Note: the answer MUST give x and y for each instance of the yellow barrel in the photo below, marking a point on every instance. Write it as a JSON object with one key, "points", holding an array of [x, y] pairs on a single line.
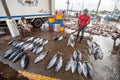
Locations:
{"points": [[51, 20]]}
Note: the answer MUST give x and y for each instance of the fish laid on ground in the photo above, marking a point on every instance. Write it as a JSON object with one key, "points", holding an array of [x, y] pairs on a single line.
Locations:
{"points": [[15, 43], [39, 49], [10, 42], [57, 38], [44, 41], [59, 64], [52, 61], [90, 70], [13, 55], [98, 54], [74, 66], [20, 44], [79, 67], [9, 52], [84, 69], [71, 41], [40, 57], [37, 39], [75, 54], [69, 64], [30, 46], [30, 39], [25, 47], [18, 56], [24, 61], [79, 55]]}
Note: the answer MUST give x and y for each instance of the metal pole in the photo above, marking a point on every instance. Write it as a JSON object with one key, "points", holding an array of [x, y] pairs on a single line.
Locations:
{"points": [[68, 2], [6, 8]]}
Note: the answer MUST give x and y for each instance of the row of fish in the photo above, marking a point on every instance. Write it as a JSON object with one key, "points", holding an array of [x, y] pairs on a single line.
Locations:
{"points": [[77, 55], [15, 54], [94, 49], [71, 41], [80, 67], [55, 60], [35, 48]]}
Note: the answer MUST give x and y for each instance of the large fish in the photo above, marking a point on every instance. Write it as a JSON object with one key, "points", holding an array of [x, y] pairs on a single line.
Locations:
{"points": [[75, 54], [10, 42], [13, 55], [39, 49], [40, 57], [30, 39], [84, 69], [79, 67], [18, 56], [20, 44], [52, 61], [69, 64], [71, 41], [57, 38], [79, 55], [98, 54], [9, 52], [74, 66], [30, 46], [59, 64], [44, 41], [37, 39], [24, 61], [26, 47], [90, 70], [15, 43]]}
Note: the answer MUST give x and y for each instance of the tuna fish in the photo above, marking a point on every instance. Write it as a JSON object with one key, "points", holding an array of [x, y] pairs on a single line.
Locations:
{"points": [[71, 41], [74, 67], [18, 56], [40, 57], [30, 39], [52, 61], [75, 54], [79, 55], [84, 69], [30, 46], [20, 44], [15, 54], [9, 52], [69, 64], [79, 67], [59, 64], [44, 41], [24, 61], [90, 70], [37, 39], [39, 49]]}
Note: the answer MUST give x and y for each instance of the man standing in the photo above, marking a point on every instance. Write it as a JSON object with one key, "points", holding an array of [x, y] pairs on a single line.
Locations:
{"points": [[83, 21]]}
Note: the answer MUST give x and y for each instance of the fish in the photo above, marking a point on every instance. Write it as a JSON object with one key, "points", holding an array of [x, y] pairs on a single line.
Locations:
{"points": [[69, 64], [57, 38], [10, 42], [9, 52], [35, 48], [15, 54], [59, 64], [20, 44], [15, 42], [71, 41], [30, 39], [40, 57], [79, 67], [26, 47], [18, 56], [90, 70], [24, 61], [30, 46], [39, 49], [75, 54], [79, 55], [35, 40], [44, 42], [74, 66], [52, 61], [84, 69], [98, 54]]}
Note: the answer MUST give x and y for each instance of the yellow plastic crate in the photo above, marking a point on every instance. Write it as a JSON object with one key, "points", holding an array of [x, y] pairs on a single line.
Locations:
{"points": [[59, 17], [62, 29], [51, 20]]}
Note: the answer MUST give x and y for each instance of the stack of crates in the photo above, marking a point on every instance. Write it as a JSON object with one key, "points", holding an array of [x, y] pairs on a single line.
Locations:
{"points": [[51, 22], [59, 20]]}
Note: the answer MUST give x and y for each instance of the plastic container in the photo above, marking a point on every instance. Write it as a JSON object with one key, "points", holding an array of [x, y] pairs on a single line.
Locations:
{"points": [[57, 28], [60, 17], [61, 29], [51, 20]]}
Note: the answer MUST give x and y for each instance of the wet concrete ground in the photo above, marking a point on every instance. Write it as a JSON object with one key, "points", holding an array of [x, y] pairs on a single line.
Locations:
{"points": [[106, 69]]}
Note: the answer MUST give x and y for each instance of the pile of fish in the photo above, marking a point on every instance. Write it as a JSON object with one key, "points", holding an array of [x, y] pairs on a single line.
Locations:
{"points": [[94, 49], [71, 41], [106, 29], [75, 64], [55, 61], [18, 51], [57, 38]]}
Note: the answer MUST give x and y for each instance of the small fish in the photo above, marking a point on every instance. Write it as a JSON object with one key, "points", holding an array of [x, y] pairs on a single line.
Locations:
{"points": [[24, 61], [74, 67], [79, 55], [37, 39], [40, 57], [57, 38], [90, 70], [39, 49], [84, 69], [59, 64], [79, 67], [75, 54], [52, 61]]}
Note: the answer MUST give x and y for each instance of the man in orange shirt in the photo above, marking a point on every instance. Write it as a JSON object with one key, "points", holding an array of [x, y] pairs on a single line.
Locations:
{"points": [[83, 21]]}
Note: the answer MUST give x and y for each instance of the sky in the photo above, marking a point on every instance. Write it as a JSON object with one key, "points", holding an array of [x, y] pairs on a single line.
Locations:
{"points": [[89, 4]]}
